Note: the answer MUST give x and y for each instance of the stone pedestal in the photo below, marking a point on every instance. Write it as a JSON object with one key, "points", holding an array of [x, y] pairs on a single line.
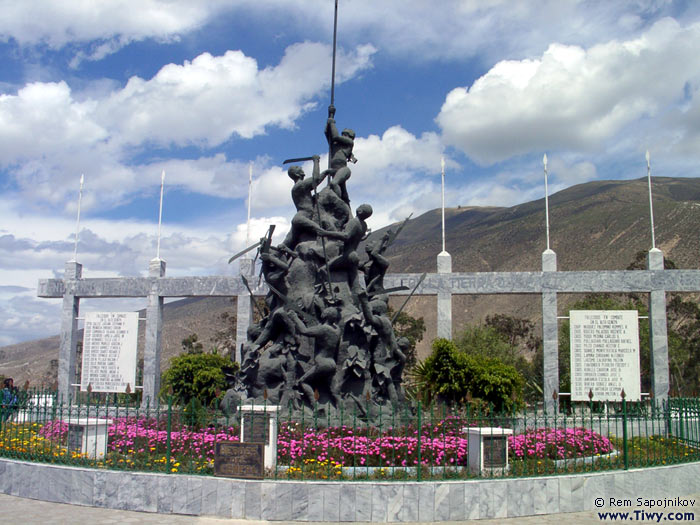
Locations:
{"points": [[88, 436], [488, 449], [444, 299], [259, 425], [69, 331], [658, 332], [550, 337], [153, 341]]}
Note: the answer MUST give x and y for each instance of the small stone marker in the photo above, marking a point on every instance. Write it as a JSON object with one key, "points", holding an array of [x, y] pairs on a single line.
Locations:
{"points": [[488, 449], [88, 436], [259, 425], [239, 460]]}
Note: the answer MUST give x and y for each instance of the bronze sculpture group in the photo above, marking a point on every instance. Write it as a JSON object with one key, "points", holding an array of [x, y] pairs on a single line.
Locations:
{"points": [[325, 339]]}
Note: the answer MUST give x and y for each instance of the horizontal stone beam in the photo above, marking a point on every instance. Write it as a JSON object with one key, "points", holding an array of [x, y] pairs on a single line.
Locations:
{"points": [[455, 283], [539, 282]]}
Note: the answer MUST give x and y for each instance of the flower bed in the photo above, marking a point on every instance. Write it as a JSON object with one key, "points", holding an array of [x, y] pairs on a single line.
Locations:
{"points": [[140, 443], [559, 443], [440, 445], [395, 451]]}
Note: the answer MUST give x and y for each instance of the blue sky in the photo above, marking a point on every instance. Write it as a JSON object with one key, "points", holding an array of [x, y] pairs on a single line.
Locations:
{"points": [[122, 90]]}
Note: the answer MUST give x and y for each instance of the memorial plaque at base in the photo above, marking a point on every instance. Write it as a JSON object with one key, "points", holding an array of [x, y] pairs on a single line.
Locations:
{"points": [[239, 460]]}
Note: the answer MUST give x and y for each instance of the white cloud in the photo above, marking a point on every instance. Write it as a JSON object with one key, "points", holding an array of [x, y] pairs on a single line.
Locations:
{"points": [[38, 247], [466, 29], [210, 99], [50, 135], [570, 173], [459, 29], [108, 24], [572, 98]]}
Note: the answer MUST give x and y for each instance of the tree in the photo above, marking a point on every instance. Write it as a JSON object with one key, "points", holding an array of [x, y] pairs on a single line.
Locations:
{"points": [[453, 377], [412, 329], [640, 262], [506, 339], [195, 374]]}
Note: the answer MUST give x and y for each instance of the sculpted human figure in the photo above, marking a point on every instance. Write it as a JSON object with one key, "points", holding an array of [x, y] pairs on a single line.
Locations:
{"points": [[340, 146], [376, 266], [272, 368], [352, 235], [274, 268], [304, 227], [387, 349], [278, 325], [326, 339]]}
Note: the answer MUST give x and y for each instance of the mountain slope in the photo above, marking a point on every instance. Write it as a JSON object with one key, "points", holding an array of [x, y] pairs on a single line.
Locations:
{"points": [[594, 226]]}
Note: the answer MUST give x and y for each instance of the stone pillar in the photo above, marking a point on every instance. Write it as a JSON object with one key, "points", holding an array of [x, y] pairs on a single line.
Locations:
{"points": [[153, 344], [444, 298], [658, 334], [550, 337], [69, 332], [244, 307]]}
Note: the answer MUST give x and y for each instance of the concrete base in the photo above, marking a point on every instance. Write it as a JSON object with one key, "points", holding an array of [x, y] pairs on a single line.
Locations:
{"points": [[289, 501]]}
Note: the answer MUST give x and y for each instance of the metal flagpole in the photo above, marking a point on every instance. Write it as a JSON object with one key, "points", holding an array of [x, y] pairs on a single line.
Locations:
{"points": [[250, 196], [651, 208], [77, 226], [546, 197], [331, 108], [160, 212], [335, 33], [442, 166]]}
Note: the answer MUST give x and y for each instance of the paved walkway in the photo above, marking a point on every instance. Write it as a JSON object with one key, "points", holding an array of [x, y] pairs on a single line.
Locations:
{"points": [[33, 512]]}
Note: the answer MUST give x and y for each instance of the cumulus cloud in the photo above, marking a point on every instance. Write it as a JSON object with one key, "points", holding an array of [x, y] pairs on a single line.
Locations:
{"points": [[108, 24], [571, 97], [108, 248], [210, 99], [460, 29], [49, 135]]}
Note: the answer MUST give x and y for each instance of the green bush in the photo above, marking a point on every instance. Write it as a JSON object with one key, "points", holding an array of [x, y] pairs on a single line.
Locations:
{"points": [[196, 375], [451, 376]]}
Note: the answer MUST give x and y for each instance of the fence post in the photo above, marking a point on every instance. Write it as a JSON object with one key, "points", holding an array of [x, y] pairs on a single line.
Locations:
{"points": [[624, 430], [169, 429], [420, 432]]}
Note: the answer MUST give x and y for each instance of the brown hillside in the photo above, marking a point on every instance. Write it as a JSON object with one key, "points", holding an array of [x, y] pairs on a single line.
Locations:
{"points": [[594, 226]]}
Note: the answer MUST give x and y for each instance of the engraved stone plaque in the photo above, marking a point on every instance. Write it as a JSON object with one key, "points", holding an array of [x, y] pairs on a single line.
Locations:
{"points": [[239, 460], [109, 351], [495, 450], [604, 354], [256, 427], [75, 438]]}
